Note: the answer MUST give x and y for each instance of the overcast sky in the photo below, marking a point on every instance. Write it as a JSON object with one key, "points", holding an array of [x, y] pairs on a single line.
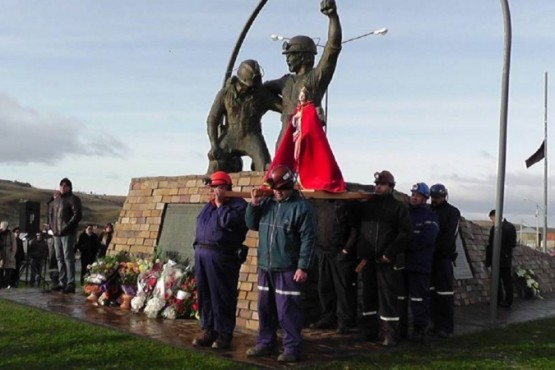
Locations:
{"points": [[105, 91]]}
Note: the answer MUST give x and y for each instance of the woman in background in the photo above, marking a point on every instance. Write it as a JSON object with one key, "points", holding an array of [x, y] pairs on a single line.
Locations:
{"points": [[105, 239]]}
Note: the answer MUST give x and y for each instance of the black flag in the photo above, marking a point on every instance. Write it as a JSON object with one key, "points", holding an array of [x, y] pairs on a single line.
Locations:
{"points": [[537, 156]]}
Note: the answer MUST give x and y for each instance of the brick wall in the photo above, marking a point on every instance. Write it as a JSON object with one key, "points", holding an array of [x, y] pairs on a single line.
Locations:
{"points": [[140, 222], [477, 289]]}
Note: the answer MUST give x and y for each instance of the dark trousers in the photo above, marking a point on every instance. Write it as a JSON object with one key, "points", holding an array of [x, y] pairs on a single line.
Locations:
{"points": [[6, 277], [505, 288], [85, 261], [279, 302], [442, 295], [416, 296], [217, 275], [381, 286], [337, 288], [36, 271]]}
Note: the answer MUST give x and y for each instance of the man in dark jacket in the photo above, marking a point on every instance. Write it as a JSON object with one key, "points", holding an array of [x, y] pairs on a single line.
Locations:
{"points": [[508, 242], [88, 244], [65, 214], [19, 257], [335, 248], [37, 253], [445, 253], [418, 264], [220, 232], [285, 226], [384, 231]]}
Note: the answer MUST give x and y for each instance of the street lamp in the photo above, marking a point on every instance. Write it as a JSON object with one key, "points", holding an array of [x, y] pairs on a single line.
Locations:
{"points": [[380, 32], [538, 208]]}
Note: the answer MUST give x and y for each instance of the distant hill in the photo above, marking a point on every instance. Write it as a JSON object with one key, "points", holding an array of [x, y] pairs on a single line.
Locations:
{"points": [[97, 209]]}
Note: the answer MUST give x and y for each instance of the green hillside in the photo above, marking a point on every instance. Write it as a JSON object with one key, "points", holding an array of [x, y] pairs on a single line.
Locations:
{"points": [[97, 209]]}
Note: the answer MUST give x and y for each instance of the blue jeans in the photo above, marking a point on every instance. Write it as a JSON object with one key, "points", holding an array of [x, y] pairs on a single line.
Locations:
{"points": [[65, 255]]}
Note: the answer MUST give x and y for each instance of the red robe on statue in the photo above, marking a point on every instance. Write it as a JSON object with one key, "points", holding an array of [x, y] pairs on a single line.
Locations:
{"points": [[305, 149]]}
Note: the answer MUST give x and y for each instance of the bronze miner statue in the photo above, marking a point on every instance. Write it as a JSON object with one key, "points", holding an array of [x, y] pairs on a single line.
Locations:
{"points": [[242, 102], [300, 52]]}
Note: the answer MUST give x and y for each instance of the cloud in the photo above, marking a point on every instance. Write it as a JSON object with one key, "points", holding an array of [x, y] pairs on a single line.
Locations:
{"points": [[29, 136]]}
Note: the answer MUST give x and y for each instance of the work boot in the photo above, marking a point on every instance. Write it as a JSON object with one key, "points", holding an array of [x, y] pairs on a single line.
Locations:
{"points": [[259, 351], [322, 324], [388, 332], [223, 342], [288, 357], [206, 340]]}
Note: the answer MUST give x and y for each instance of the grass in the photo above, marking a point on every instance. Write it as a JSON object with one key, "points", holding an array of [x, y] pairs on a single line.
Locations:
{"points": [[34, 339], [529, 345]]}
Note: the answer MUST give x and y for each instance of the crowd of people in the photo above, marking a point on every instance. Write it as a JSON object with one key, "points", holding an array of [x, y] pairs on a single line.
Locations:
{"points": [[52, 250], [378, 259]]}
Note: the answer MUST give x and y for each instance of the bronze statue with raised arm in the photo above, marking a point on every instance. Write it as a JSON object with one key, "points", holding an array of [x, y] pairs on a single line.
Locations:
{"points": [[300, 52]]}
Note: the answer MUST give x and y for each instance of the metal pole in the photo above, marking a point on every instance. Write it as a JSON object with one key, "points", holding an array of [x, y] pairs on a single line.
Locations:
{"points": [[545, 169], [502, 160], [538, 240]]}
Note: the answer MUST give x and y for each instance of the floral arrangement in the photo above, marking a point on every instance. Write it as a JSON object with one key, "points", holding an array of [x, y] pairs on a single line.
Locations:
{"points": [[185, 301], [527, 284], [166, 290]]}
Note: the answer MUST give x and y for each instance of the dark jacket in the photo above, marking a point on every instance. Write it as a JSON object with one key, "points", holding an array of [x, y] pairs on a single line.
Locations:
{"points": [[448, 217], [224, 227], [88, 245], [65, 214], [419, 254], [335, 225], [38, 249], [508, 242], [285, 233], [384, 228]]}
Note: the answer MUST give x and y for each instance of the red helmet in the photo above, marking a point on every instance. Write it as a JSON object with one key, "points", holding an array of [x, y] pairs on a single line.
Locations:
{"points": [[281, 177], [219, 178]]}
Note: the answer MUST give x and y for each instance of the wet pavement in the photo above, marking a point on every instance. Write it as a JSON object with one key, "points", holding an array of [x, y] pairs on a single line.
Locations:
{"points": [[320, 346]]}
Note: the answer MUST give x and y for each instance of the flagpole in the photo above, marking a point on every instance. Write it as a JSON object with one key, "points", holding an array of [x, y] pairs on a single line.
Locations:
{"points": [[545, 169]]}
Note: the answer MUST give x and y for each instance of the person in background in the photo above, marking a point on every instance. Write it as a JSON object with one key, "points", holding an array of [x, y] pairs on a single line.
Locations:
{"points": [[48, 235], [88, 245], [52, 263], [445, 253], [220, 234], [508, 242], [384, 231], [19, 257], [37, 253], [418, 264], [8, 249], [105, 239], [335, 248], [285, 226], [66, 212]]}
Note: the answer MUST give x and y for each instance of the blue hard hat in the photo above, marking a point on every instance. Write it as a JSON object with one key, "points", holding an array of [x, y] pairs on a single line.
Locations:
{"points": [[421, 188], [438, 190]]}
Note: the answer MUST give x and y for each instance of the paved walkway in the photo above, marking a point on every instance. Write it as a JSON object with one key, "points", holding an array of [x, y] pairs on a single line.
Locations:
{"points": [[320, 346]]}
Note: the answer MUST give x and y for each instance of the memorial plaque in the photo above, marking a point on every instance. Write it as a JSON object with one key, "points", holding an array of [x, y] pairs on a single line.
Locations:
{"points": [[462, 268], [178, 232]]}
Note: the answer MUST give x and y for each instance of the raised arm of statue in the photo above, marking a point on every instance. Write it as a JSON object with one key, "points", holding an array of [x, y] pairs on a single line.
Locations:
{"points": [[328, 61]]}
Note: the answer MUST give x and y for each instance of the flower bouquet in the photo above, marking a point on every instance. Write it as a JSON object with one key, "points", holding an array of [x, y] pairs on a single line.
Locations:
{"points": [[146, 281], [99, 273], [165, 288], [184, 303], [527, 284]]}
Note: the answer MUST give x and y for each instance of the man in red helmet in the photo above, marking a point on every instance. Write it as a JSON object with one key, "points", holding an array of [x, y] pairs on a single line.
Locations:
{"points": [[384, 231], [220, 232], [285, 250]]}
